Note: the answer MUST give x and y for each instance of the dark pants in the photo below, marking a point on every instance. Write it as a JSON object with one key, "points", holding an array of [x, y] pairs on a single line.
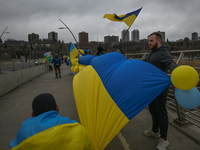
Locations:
{"points": [[159, 115], [57, 70]]}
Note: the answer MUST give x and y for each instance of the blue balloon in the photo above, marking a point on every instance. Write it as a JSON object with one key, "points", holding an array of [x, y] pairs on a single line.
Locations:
{"points": [[189, 99]]}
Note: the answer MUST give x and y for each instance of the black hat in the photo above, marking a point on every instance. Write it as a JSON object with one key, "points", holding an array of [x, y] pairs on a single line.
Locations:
{"points": [[42, 103]]}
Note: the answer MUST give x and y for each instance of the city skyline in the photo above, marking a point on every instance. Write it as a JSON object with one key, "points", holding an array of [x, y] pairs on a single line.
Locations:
{"points": [[177, 18], [52, 35]]}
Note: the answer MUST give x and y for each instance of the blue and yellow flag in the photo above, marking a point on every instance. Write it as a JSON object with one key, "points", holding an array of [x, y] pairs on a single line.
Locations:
{"points": [[50, 131], [73, 53], [128, 18], [115, 90]]}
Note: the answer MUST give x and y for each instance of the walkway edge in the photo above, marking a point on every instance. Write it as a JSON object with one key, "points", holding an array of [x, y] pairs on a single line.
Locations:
{"points": [[193, 135]]}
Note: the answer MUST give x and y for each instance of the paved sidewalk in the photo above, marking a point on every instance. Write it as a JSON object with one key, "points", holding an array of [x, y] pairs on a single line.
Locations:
{"points": [[15, 107]]}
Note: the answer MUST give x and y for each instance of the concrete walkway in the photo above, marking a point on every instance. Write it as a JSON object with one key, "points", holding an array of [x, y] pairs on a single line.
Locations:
{"points": [[15, 107]]}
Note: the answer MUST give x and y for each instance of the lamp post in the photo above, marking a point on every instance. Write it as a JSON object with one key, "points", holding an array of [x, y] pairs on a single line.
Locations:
{"points": [[66, 27], [4, 32]]}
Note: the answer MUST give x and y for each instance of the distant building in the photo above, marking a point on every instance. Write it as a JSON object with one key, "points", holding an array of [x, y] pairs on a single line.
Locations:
{"points": [[33, 37], [112, 38], [135, 35], [126, 38], [194, 36], [83, 37], [53, 36]]}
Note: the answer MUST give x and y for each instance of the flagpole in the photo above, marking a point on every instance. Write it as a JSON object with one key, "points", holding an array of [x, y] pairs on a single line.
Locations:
{"points": [[123, 38]]}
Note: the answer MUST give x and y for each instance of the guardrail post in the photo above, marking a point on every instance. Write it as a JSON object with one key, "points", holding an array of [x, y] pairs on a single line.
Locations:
{"points": [[22, 64], [13, 65], [180, 112], [144, 56], [0, 68], [29, 62], [181, 117], [180, 58]]}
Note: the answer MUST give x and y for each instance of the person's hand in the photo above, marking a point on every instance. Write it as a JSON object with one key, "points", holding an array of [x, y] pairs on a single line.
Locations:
{"points": [[129, 58]]}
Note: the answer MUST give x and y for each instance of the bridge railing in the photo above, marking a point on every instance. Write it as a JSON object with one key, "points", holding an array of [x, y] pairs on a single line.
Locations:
{"points": [[15, 64], [184, 116]]}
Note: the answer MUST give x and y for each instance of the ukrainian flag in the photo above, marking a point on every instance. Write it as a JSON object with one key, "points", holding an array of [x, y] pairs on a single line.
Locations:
{"points": [[73, 53], [128, 18], [50, 131], [112, 90]]}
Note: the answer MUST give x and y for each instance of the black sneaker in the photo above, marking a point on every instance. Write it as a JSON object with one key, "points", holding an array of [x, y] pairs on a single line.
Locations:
{"points": [[60, 76]]}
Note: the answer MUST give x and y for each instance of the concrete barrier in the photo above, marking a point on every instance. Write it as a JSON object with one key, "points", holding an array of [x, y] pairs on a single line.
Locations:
{"points": [[10, 81]]}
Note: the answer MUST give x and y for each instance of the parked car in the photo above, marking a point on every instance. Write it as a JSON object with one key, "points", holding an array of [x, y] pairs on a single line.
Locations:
{"points": [[38, 62]]}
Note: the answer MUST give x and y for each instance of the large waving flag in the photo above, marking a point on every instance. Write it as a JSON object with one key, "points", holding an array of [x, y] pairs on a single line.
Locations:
{"points": [[114, 90], [128, 18], [50, 131]]}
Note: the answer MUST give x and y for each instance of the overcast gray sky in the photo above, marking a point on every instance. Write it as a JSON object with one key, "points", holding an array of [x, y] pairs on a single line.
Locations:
{"points": [[178, 18]]}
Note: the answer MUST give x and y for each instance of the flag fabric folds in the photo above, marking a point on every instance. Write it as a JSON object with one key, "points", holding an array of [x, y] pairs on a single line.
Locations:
{"points": [[47, 56], [86, 60], [128, 18], [73, 53], [51, 131], [115, 90]]}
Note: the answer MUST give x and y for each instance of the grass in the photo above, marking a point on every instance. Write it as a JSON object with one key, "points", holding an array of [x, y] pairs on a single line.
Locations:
{"points": [[194, 63]]}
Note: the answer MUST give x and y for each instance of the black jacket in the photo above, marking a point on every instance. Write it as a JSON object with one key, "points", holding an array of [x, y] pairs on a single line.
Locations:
{"points": [[162, 59]]}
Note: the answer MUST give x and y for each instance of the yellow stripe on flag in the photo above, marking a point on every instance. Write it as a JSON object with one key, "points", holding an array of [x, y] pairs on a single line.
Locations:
{"points": [[98, 113]]}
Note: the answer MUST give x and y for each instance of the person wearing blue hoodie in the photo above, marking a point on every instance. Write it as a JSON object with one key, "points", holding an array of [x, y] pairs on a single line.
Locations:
{"points": [[57, 64]]}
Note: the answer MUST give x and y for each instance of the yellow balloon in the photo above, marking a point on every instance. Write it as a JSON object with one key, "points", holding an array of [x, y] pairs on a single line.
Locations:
{"points": [[184, 77]]}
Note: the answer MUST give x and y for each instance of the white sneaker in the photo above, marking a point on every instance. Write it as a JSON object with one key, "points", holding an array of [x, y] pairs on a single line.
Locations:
{"points": [[151, 133], [162, 144]]}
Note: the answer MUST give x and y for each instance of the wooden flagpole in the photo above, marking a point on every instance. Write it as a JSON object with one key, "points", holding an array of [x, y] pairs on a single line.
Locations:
{"points": [[123, 38]]}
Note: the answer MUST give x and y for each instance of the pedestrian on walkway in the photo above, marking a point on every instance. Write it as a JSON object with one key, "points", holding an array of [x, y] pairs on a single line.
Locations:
{"points": [[46, 129], [160, 57], [57, 64]]}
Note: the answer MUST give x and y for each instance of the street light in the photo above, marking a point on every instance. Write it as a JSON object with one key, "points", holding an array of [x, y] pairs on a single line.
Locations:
{"points": [[66, 27], [4, 32]]}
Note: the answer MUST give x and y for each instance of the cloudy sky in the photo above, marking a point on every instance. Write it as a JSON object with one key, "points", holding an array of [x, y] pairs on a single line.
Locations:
{"points": [[178, 18]]}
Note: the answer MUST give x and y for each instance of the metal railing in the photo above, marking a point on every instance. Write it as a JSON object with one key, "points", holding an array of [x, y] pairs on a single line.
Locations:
{"points": [[184, 116], [16, 64]]}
